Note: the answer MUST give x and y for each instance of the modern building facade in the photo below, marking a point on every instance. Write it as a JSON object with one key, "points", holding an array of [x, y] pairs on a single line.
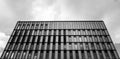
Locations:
{"points": [[60, 40]]}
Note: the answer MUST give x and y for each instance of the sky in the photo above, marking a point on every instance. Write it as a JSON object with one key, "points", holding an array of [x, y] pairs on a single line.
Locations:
{"points": [[12, 11]]}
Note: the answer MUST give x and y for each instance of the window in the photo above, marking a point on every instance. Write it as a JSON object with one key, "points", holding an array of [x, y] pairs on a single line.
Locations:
{"points": [[103, 45], [71, 56], [24, 54], [59, 32], [45, 32], [83, 55], [59, 55], [15, 47], [112, 54], [28, 32], [109, 46], [53, 54], [81, 46], [89, 55], [87, 47], [37, 47], [77, 54], [37, 25], [41, 26], [31, 47], [41, 55], [36, 53], [85, 39], [98, 46], [65, 55], [106, 54], [32, 27], [101, 55], [47, 55], [95, 55], [75, 46]]}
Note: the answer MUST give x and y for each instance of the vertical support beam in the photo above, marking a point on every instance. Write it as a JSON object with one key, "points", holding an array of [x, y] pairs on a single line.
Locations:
{"points": [[74, 55], [101, 46], [15, 54], [33, 52], [97, 55], [44, 55], [56, 54], [86, 56], [21, 53], [79, 52], [62, 55], [50, 55], [109, 54], [68, 55], [95, 46], [103, 54], [26, 57], [91, 53], [4, 55], [116, 55]]}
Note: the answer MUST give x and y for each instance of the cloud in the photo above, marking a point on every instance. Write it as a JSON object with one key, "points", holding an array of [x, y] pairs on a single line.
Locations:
{"points": [[107, 10], [13, 10], [3, 41]]}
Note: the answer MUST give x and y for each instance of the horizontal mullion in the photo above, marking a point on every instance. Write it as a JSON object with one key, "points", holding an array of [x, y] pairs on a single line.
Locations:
{"points": [[68, 50], [60, 42]]}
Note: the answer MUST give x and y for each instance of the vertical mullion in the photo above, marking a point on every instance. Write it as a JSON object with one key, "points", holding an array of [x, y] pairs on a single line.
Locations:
{"points": [[50, 55], [26, 57], [56, 54], [62, 55], [103, 54], [98, 56], [116, 55], [86, 56], [74, 55], [91, 53], [44, 55], [38, 56]]}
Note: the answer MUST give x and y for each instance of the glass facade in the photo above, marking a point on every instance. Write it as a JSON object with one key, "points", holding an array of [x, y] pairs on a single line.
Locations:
{"points": [[60, 40]]}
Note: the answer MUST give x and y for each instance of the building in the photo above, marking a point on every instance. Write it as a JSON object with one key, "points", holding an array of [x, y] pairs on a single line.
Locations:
{"points": [[60, 40]]}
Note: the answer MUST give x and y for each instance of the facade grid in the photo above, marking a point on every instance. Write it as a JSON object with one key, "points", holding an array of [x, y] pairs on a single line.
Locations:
{"points": [[60, 40]]}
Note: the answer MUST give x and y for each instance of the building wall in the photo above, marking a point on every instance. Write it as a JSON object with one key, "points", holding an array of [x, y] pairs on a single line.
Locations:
{"points": [[60, 40]]}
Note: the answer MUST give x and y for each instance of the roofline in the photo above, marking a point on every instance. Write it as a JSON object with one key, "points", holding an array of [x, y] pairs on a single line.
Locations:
{"points": [[65, 21]]}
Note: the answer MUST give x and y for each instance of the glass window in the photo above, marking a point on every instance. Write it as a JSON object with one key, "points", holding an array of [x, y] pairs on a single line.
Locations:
{"points": [[112, 54], [88, 54], [47, 55], [86, 40], [53, 54], [106, 54], [103, 45], [95, 55], [41, 26], [65, 55], [81, 46], [71, 56], [83, 55], [92, 46], [87, 47], [98, 46], [41, 55], [101, 55]]}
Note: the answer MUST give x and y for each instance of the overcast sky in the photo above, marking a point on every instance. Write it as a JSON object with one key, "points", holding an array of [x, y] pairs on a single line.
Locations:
{"points": [[13, 10]]}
